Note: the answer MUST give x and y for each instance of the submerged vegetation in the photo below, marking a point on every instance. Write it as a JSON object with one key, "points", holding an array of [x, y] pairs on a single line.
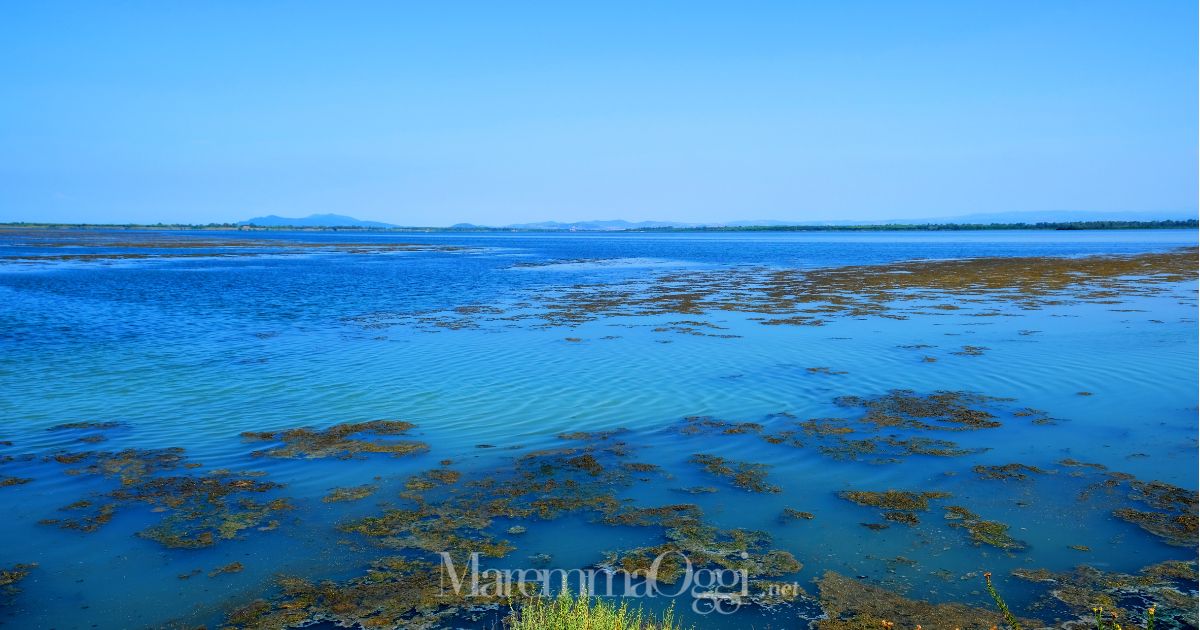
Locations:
{"points": [[343, 441], [744, 475], [9, 577], [853, 605], [978, 286], [446, 511], [198, 510], [898, 505], [983, 532], [1168, 588], [584, 475]]}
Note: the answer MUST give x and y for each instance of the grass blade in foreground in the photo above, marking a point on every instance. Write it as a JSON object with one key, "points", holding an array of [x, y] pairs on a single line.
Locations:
{"points": [[567, 613]]}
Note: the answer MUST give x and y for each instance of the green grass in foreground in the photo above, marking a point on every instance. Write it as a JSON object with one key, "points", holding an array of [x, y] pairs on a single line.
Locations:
{"points": [[584, 613]]}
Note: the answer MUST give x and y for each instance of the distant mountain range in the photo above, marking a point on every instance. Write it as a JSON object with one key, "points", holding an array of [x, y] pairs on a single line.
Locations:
{"points": [[998, 217], [337, 220], [313, 220]]}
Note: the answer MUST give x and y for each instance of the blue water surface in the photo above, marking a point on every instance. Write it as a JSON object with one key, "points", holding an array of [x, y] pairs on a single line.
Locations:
{"points": [[191, 351]]}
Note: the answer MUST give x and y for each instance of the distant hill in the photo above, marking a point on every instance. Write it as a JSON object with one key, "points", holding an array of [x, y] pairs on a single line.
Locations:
{"points": [[1051, 217], [615, 224], [313, 220], [974, 219]]}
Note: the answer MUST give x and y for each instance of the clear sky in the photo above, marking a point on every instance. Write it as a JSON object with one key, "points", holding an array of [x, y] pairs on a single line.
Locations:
{"points": [[433, 113]]}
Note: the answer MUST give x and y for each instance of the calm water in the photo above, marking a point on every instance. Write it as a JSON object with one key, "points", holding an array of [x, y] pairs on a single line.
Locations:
{"points": [[192, 346]]}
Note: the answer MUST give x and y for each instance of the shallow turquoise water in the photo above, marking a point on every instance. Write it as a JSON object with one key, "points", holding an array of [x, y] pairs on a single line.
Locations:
{"points": [[192, 351]]}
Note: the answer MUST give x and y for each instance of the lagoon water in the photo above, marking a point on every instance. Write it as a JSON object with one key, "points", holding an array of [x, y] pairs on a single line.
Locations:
{"points": [[189, 339]]}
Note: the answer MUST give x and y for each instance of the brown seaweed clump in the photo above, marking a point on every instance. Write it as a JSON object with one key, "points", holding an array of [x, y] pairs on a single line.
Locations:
{"points": [[396, 592], [707, 425], [445, 514], [792, 514], [983, 532], [154, 245], [445, 511], [1019, 472], [887, 432], [6, 481], [942, 410], [899, 506], [11, 576], [1173, 514], [810, 297], [1168, 587], [199, 510], [854, 605], [353, 493], [232, 567], [343, 441], [85, 426], [884, 434], [129, 465], [1174, 529], [1176, 520], [704, 545], [744, 475]]}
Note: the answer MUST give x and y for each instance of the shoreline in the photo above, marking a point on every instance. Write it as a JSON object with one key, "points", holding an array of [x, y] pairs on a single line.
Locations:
{"points": [[883, 227]]}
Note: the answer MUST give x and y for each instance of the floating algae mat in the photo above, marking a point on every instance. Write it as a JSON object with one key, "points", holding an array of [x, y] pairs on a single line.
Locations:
{"points": [[869, 430]]}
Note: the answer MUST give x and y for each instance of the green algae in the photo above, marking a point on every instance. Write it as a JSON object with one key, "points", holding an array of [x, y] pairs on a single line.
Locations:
{"points": [[792, 514], [352, 493], [883, 434], [11, 576], [1173, 517], [744, 475], [592, 436], [704, 545], [448, 512], [1074, 463], [641, 467], [1016, 471], [983, 532], [128, 465], [851, 604], [697, 490], [907, 518], [198, 510], [824, 370], [888, 430], [811, 297], [941, 410], [342, 441], [232, 567], [707, 425], [1174, 529], [395, 592], [1086, 588], [86, 425], [898, 500], [1165, 496]]}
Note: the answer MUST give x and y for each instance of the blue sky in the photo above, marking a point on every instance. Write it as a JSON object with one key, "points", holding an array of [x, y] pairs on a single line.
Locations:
{"points": [[496, 112]]}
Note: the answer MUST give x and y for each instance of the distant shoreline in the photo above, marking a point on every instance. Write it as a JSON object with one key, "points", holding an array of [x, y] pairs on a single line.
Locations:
{"points": [[885, 227]]}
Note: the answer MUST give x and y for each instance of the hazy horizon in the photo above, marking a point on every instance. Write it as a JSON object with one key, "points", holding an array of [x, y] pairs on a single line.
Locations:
{"points": [[494, 115]]}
